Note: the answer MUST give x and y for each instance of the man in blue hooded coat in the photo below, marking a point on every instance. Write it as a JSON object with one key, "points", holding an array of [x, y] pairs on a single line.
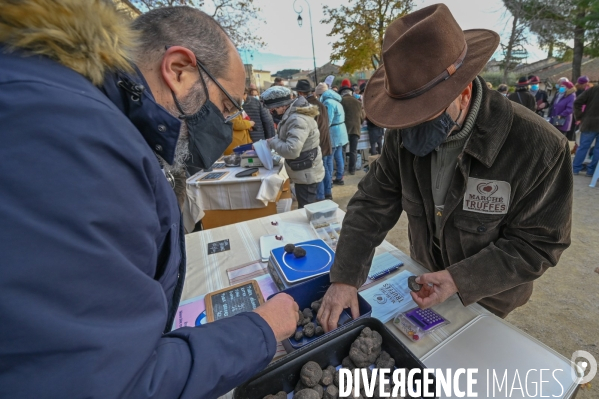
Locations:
{"points": [[92, 250]]}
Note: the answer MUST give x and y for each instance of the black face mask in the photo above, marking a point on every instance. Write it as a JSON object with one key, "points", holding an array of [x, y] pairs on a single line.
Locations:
{"points": [[422, 139], [209, 133]]}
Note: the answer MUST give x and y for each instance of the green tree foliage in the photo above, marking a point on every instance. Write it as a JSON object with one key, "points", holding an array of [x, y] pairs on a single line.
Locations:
{"points": [[237, 17], [359, 28]]}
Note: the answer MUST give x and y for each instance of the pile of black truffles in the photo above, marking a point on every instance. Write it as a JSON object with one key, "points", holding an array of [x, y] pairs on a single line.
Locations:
{"points": [[298, 252], [318, 383], [308, 323]]}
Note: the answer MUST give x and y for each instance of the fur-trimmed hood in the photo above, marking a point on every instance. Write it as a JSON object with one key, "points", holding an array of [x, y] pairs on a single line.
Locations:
{"points": [[310, 110], [89, 36]]}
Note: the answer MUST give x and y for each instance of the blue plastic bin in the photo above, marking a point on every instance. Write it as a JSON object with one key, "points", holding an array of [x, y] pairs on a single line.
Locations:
{"points": [[312, 290]]}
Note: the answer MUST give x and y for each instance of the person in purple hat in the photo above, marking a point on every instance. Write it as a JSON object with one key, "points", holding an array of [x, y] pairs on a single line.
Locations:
{"points": [[563, 108], [540, 95], [582, 84]]}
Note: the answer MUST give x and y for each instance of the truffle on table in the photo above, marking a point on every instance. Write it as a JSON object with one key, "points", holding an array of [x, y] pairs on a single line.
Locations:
{"points": [[300, 321], [306, 394], [299, 252], [298, 335], [316, 305], [366, 348], [332, 392], [318, 331], [278, 395], [311, 374], [299, 386], [289, 248], [336, 378], [318, 388], [306, 321], [385, 361], [327, 377], [308, 313], [347, 363], [309, 330]]}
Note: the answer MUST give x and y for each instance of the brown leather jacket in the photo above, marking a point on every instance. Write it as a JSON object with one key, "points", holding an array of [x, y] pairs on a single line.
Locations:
{"points": [[513, 158]]}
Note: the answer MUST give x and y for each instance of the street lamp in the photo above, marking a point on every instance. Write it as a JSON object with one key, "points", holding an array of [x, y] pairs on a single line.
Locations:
{"points": [[300, 21]]}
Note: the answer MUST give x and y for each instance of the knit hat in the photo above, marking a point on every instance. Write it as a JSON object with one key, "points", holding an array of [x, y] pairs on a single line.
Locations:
{"points": [[583, 80], [567, 85], [345, 83], [276, 96], [321, 88]]}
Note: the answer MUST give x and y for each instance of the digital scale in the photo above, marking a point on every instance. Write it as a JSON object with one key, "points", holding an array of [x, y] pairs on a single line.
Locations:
{"points": [[287, 270]]}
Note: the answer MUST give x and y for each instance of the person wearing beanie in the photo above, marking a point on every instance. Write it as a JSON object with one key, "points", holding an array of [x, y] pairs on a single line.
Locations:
{"points": [[304, 89], [540, 95], [332, 100], [563, 107], [485, 185], [297, 140], [522, 95], [354, 116], [582, 84], [321, 88]]}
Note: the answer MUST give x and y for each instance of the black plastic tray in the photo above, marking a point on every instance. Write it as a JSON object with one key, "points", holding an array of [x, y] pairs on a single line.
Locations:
{"points": [[312, 290], [284, 374]]}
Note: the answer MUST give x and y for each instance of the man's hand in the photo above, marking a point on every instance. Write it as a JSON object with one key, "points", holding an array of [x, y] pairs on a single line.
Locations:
{"points": [[281, 314], [252, 123], [442, 288], [338, 297]]}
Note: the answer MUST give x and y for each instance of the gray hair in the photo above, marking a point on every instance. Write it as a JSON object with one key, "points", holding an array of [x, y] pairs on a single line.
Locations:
{"points": [[187, 27]]}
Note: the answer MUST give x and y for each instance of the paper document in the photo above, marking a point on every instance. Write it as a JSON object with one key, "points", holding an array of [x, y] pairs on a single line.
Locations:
{"points": [[389, 297]]}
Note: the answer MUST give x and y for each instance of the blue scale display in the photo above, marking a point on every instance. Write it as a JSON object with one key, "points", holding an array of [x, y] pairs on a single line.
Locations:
{"points": [[318, 260]]}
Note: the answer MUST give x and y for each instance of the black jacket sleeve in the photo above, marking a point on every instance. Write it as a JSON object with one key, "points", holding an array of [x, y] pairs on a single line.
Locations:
{"points": [[267, 122]]}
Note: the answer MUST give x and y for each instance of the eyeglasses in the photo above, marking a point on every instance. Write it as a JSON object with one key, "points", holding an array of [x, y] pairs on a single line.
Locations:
{"points": [[235, 104]]}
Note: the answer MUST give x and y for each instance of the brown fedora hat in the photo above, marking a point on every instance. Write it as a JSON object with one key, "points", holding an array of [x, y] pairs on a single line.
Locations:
{"points": [[427, 62]]}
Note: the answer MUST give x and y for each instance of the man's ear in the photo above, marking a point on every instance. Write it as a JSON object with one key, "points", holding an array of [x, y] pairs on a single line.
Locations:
{"points": [[466, 96], [179, 70]]}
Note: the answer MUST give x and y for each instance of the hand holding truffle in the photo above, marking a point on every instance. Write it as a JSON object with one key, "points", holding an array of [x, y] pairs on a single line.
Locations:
{"points": [[436, 288], [281, 314]]}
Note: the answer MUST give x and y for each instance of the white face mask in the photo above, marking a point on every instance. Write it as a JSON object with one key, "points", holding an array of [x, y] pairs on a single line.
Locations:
{"points": [[257, 97]]}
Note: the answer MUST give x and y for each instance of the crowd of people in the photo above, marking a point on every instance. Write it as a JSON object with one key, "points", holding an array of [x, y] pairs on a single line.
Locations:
{"points": [[573, 107]]}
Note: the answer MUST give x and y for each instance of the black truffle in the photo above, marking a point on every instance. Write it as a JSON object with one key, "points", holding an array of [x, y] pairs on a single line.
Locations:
{"points": [[278, 395], [318, 331], [316, 305], [289, 248], [332, 392], [311, 374], [309, 330], [306, 394], [327, 377], [298, 335], [336, 378], [299, 386], [299, 252], [385, 361], [305, 321], [300, 321], [413, 285], [308, 313], [318, 388], [348, 364], [366, 348]]}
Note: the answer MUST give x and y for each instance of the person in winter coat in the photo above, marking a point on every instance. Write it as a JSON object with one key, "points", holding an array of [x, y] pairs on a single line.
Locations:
{"points": [[338, 131], [93, 263], [522, 95], [298, 141], [304, 89], [485, 184], [587, 112], [241, 133], [354, 116], [264, 127], [563, 107], [540, 95], [375, 133]]}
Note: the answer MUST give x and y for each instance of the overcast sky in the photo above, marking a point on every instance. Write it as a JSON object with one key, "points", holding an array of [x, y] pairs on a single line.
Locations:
{"points": [[289, 46]]}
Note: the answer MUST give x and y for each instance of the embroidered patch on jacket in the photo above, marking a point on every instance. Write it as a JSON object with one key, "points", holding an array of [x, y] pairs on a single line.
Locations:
{"points": [[487, 196]]}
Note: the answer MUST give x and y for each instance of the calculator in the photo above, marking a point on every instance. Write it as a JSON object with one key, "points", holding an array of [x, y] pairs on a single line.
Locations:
{"points": [[425, 318], [417, 323]]}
